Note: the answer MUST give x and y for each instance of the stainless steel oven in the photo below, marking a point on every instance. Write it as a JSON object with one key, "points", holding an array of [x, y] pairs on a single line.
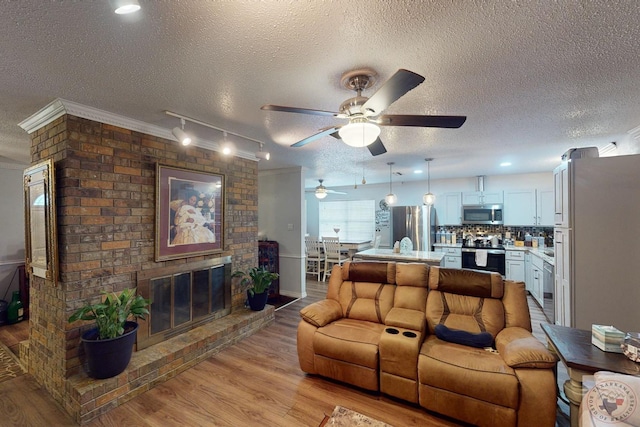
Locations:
{"points": [[491, 259]]}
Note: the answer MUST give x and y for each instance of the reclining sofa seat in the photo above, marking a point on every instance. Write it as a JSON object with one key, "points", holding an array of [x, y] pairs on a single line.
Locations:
{"points": [[339, 337], [515, 386]]}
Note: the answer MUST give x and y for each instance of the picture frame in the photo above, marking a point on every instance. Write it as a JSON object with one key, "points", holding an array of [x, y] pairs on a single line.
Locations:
{"points": [[41, 243], [189, 213]]}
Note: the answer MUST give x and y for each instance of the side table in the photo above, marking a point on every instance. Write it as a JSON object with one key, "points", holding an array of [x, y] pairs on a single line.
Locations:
{"points": [[574, 348]]}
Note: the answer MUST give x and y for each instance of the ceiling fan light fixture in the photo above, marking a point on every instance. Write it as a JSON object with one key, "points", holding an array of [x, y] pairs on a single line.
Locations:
{"points": [[321, 190], [359, 133]]}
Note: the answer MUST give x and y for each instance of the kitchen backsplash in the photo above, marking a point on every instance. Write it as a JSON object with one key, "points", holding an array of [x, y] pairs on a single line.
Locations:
{"points": [[500, 230]]}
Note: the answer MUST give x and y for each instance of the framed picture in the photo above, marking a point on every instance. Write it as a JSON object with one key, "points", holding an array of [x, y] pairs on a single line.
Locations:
{"points": [[189, 213], [41, 241]]}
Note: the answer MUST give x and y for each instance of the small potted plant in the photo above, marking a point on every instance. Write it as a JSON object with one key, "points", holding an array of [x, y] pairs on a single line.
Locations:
{"points": [[260, 279], [108, 346]]}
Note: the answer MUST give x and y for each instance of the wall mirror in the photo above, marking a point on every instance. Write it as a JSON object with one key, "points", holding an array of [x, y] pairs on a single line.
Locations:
{"points": [[40, 221]]}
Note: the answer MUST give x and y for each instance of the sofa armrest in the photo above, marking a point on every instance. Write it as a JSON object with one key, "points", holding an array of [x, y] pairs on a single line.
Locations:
{"points": [[520, 349], [406, 318], [322, 313]]}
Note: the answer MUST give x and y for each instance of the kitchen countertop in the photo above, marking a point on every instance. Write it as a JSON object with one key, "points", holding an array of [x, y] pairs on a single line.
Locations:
{"points": [[429, 257]]}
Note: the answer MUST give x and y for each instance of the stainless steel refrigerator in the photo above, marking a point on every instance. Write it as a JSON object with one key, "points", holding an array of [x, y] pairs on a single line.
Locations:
{"points": [[418, 223], [597, 242]]}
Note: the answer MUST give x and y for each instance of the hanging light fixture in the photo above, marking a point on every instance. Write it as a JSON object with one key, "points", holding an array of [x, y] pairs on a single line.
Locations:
{"points": [[429, 198], [359, 132], [227, 147], [180, 134], [321, 190], [264, 155], [390, 198]]}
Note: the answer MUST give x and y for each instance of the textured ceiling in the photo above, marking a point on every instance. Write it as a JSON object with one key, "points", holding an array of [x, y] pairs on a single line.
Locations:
{"points": [[533, 78]]}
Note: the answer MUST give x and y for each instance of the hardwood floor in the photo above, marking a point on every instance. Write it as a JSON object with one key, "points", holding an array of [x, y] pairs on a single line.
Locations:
{"points": [[254, 382]]}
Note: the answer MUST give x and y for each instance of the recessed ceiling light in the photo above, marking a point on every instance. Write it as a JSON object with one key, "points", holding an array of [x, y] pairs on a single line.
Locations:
{"points": [[417, 171], [124, 7], [503, 164]]}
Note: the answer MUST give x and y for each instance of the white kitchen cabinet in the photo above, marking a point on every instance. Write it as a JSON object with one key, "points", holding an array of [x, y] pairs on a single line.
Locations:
{"points": [[514, 262], [528, 207], [537, 264], [452, 257], [449, 208], [528, 271], [562, 301], [482, 197], [561, 197]]}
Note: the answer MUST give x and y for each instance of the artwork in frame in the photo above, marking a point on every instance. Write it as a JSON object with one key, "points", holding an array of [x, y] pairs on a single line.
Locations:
{"points": [[41, 243], [189, 213]]}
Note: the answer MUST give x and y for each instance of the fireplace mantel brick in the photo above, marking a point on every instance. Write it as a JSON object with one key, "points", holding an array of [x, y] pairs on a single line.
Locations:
{"points": [[105, 196]]}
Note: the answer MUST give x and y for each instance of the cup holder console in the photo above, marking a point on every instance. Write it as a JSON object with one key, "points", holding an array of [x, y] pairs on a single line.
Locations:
{"points": [[409, 334], [392, 331]]}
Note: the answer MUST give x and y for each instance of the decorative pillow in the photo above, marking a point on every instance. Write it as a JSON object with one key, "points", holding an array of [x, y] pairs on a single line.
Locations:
{"points": [[482, 339]]}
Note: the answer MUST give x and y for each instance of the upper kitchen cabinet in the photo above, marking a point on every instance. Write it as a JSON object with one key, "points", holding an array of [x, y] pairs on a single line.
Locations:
{"points": [[561, 196], [528, 207], [449, 208], [482, 197]]}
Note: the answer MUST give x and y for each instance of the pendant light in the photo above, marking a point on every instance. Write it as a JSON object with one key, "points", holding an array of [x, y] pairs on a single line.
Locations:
{"points": [[180, 134], [429, 198], [390, 198]]}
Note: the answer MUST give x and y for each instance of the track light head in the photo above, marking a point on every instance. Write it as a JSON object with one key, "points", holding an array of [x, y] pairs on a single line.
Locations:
{"points": [[181, 136], [263, 155]]}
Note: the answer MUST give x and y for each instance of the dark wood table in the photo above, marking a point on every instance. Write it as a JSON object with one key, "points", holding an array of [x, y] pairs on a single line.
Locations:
{"points": [[574, 348]]}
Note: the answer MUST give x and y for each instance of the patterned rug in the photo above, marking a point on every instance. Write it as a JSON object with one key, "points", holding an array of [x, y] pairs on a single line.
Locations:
{"points": [[9, 366], [343, 417]]}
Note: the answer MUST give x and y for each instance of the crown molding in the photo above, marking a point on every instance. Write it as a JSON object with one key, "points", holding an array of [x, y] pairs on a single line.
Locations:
{"points": [[60, 107]]}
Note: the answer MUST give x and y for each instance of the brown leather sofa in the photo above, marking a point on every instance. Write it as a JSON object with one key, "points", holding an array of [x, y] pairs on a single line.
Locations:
{"points": [[376, 329]]}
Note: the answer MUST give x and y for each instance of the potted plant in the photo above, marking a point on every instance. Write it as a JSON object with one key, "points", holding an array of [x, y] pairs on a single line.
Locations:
{"points": [[260, 279], [109, 345]]}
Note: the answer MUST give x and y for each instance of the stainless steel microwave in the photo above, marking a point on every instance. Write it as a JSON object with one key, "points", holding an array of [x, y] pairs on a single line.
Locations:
{"points": [[482, 214]]}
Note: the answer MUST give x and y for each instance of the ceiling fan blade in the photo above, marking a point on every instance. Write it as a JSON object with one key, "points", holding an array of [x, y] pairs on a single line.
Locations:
{"points": [[314, 137], [271, 107], [335, 192], [377, 148], [399, 84], [421, 121]]}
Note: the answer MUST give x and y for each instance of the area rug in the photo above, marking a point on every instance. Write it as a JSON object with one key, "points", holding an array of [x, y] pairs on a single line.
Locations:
{"points": [[343, 417], [9, 366]]}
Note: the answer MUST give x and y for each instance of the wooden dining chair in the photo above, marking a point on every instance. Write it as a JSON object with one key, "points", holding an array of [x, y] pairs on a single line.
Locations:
{"points": [[315, 257], [332, 255]]}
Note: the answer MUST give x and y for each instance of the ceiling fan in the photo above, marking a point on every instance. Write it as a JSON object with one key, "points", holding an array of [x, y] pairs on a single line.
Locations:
{"points": [[365, 114], [321, 191]]}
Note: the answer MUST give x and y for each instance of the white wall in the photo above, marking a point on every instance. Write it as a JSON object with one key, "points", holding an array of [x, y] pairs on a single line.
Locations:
{"points": [[410, 193], [12, 236], [281, 218]]}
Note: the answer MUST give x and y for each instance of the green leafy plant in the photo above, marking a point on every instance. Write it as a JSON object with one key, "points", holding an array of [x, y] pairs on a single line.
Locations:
{"points": [[259, 277], [111, 314]]}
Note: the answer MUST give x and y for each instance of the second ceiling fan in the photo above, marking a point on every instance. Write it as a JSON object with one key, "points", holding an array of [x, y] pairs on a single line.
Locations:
{"points": [[365, 114]]}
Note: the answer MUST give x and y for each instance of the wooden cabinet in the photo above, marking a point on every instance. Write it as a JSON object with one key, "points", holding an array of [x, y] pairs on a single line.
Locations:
{"points": [[528, 207], [482, 197], [269, 257], [515, 265], [449, 208]]}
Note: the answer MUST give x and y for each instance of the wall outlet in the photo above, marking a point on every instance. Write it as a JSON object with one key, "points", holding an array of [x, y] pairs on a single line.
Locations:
{"points": [[289, 227]]}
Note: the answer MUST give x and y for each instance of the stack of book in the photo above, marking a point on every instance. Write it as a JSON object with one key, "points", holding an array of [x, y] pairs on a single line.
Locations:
{"points": [[607, 338]]}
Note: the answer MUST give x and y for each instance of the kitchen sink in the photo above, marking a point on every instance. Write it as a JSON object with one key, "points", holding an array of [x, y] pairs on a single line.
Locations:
{"points": [[549, 253]]}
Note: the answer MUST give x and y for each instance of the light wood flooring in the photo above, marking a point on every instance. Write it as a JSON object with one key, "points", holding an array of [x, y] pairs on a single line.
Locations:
{"points": [[254, 382]]}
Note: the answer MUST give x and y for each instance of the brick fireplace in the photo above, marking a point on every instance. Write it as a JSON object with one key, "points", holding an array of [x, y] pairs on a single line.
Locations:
{"points": [[105, 195]]}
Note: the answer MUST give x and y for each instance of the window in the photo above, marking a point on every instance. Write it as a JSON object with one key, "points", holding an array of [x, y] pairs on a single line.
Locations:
{"points": [[354, 218]]}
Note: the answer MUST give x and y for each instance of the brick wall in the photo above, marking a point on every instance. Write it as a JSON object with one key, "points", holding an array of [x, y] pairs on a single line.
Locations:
{"points": [[105, 195]]}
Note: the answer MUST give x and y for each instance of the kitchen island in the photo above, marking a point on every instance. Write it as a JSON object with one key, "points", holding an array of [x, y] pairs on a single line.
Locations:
{"points": [[427, 257]]}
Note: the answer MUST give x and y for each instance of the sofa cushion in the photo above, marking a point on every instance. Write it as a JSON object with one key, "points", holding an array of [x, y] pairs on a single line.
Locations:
{"points": [[406, 318], [366, 301], [465, 313], [480, 284], [481, 340], [367, 271], [322, 312], [353, 341], [467, 371]]}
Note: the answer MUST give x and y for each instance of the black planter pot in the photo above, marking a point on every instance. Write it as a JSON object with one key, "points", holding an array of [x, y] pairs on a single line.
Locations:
{"points": [[257, 301], [110, 357]]}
